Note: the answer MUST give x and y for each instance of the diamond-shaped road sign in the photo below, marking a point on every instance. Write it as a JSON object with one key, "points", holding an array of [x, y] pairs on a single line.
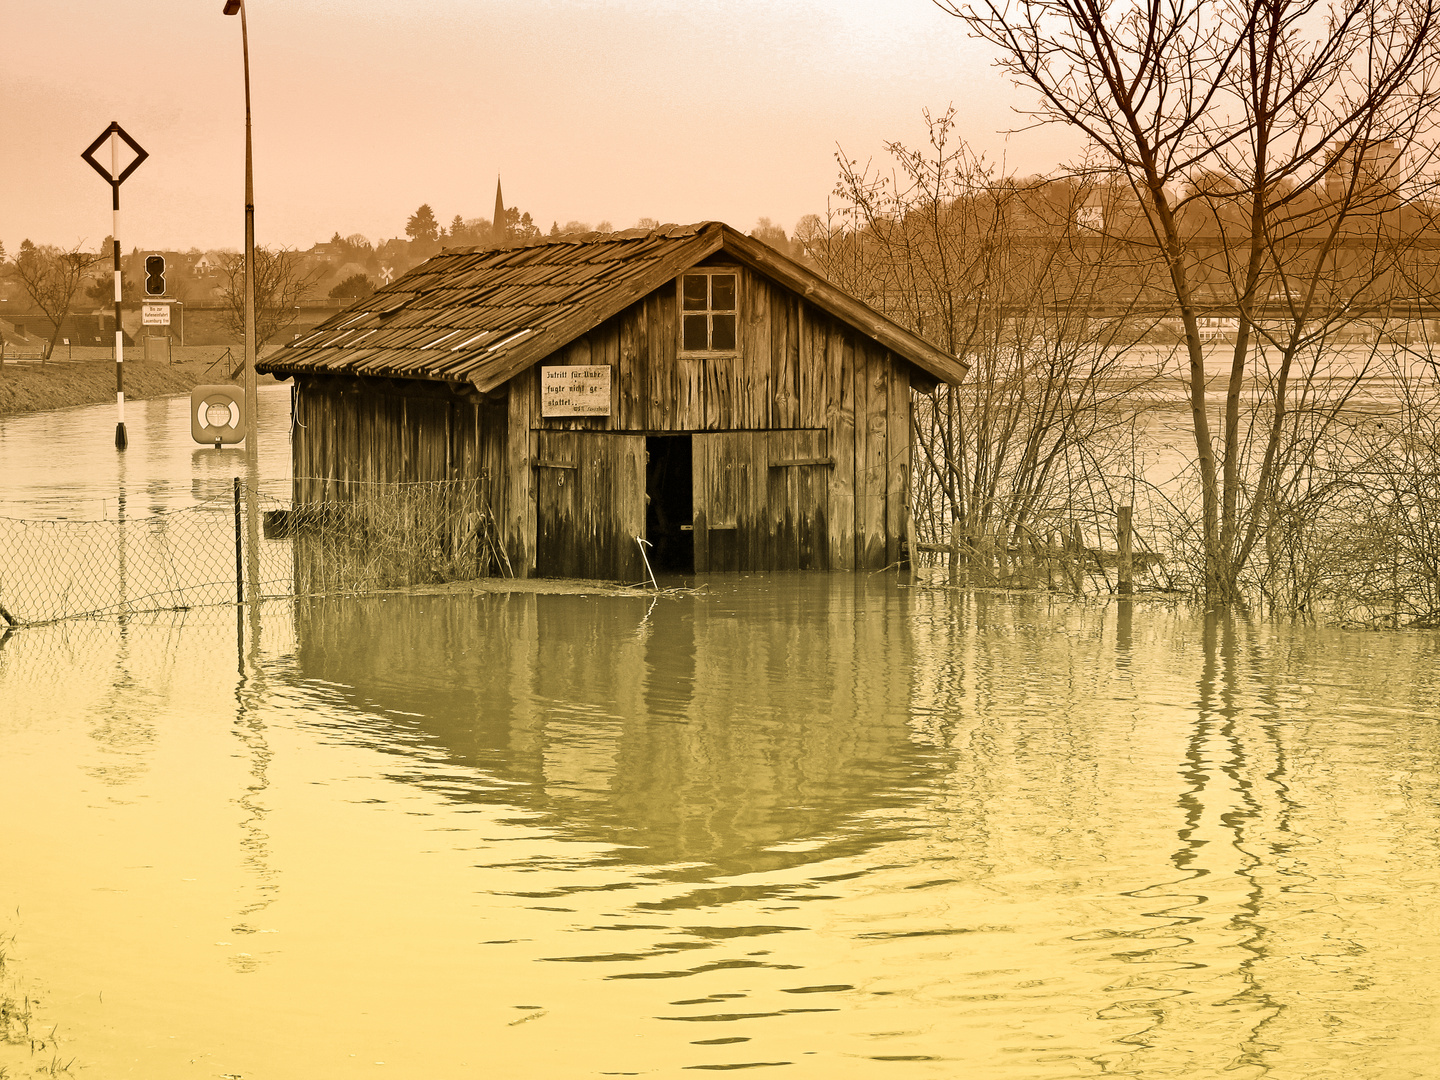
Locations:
{"points": [[140, 154]]}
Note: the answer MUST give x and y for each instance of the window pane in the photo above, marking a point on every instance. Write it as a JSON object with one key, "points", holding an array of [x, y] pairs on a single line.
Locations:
{"points": [[695, 333], [722, 333], [722, 292], [695, 293]]}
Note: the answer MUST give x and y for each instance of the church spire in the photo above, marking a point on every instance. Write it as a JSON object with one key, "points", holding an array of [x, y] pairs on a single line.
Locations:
{"points": [[498, 221]]}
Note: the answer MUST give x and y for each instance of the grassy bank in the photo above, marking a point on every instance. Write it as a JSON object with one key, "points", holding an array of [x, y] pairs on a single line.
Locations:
{"points": [[32, 387]]}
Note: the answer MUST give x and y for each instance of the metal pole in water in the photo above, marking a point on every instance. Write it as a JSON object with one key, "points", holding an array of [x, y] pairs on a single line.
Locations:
{"points": [[120, 440], [233, 7], [643, 543], [116, 176], [239, 561]]}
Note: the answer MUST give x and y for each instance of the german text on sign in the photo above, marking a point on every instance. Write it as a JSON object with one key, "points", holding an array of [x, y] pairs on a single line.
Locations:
{"points": [[575, 391]]}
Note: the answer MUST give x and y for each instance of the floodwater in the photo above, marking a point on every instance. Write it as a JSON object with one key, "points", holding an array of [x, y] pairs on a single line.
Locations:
{"points": [[63, 463], [831, 824], [828, 825]]}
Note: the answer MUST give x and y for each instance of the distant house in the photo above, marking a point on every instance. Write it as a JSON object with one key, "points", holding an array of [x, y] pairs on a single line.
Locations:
{"points": [[1091, 213], [686, 386], [1216, 328], [12, 334], [211, 262]]}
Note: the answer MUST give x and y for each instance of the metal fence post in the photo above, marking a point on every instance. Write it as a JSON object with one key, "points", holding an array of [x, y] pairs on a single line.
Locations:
{"points": [[239, 564]]}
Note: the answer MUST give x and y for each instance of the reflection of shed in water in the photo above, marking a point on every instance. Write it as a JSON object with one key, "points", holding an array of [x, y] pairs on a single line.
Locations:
{"points": [[688, 385], [693, 732]]}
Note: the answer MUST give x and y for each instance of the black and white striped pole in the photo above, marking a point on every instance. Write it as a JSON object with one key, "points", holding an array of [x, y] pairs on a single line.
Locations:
{"points": [[116, 176]]}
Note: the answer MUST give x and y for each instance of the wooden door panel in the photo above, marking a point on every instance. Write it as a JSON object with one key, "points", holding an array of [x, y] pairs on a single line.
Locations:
{"points": [[557, 502], [589, 505], [760, 500], [798, 490]]}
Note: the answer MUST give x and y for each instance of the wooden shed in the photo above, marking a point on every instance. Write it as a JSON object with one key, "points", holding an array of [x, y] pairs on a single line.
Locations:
{"points": [[687, 385]]}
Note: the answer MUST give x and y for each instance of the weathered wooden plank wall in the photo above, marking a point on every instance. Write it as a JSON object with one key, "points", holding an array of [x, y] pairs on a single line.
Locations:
{"points": [[840, 361], [800, 385], [775, 380], [760, 500], [519, 492], [796, 368], [589, 505], [350, 438]]}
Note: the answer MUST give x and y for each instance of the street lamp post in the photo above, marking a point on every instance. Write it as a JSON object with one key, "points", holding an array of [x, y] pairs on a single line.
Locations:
{"points": [[252, 453], [233, 7]]}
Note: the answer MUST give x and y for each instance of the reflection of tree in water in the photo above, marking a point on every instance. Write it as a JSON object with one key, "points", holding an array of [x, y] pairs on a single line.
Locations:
{"points": [[250, 729], [1231, 824], [1262, 960], [744, 731], [120, 722], [107, 673]]}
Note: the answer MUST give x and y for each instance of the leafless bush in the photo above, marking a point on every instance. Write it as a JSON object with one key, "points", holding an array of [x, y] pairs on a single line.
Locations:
{"points": [[1368, 548], [1039, 287]]}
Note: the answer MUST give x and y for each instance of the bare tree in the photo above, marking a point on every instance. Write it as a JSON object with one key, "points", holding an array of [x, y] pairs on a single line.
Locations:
{"points": [[1318, 117], [281, 282], [1007, 275], [51, 277]]}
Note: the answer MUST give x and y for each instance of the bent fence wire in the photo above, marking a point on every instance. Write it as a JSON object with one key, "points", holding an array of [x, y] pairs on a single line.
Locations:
{"points": [[242, 542]]}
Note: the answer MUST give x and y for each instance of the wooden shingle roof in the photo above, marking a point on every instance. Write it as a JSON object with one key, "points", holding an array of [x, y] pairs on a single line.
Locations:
{"points": [[481, 316]]}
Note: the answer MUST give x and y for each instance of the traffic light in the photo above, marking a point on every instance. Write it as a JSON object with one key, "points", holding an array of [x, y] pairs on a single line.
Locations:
{"points": [[155, 275]]}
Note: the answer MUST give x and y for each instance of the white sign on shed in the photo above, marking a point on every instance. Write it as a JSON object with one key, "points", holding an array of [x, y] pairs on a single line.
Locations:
{"points": [[575, 391]]}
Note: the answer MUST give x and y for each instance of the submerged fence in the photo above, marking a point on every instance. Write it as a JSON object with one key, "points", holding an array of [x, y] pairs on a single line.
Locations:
{"points": [[246, 544], [1082, 553]]}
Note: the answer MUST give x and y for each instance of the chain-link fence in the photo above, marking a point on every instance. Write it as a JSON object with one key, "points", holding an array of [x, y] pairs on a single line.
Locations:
{"points": [[248, 544]]}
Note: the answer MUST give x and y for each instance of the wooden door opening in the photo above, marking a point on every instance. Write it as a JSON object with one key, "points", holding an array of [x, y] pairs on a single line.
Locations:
{"points": [[669, 504]]}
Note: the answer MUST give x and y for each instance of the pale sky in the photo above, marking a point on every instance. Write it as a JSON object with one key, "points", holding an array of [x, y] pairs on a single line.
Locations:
{"points": [[363, 109]]}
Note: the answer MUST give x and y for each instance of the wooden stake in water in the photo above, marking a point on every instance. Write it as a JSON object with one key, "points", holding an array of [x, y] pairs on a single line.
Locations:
{"points": [[1124, 537]]}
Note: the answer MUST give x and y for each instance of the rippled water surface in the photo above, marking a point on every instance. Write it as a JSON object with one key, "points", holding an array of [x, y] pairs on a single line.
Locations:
{"points": [[830, 825]]}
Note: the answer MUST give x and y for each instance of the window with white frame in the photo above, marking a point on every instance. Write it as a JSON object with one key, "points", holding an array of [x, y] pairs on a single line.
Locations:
{"points": [[709, 310]]}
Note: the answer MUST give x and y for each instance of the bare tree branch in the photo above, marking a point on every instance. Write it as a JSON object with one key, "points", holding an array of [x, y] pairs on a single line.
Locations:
{"points": [[1319, 118], [51, 277], [280, 284]]}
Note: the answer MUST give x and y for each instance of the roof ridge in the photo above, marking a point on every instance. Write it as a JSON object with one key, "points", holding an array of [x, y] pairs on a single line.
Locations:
{"points": [[669, 231], [558, 289]]}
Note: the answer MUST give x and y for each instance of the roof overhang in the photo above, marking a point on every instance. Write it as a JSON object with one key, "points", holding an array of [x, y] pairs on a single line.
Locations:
{"points": [[492, 365]]}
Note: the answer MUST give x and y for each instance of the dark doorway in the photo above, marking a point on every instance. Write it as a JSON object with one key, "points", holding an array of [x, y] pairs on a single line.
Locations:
{"points": [[669, 504]]}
